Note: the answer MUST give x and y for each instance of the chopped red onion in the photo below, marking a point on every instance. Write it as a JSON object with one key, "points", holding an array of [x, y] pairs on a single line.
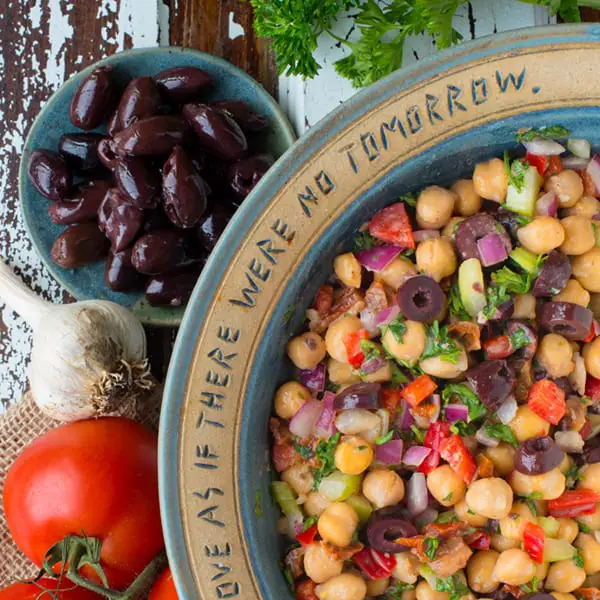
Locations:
{"points": [[387, 315], [417, 494], [486, 440], [377, 258], [389, 453], [372, 365], [325, 427], [313, 379], [569, 441], [593, 170], [428, 516], [306, 418], [507, 411], [547, 205], [575, 163], [425, 234], [384, 415], [405, 420], [544, 147], [368, 318], [415, 455], [295, 524], [436, 400], [492, 249], [456, 412], [580, 148]]}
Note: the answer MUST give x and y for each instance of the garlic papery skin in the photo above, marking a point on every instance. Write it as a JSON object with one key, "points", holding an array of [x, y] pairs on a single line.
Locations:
{"points": [[88, 358]]}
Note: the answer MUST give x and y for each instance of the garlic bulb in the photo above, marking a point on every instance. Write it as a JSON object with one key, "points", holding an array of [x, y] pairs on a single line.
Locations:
{"points": [[88, 358]]}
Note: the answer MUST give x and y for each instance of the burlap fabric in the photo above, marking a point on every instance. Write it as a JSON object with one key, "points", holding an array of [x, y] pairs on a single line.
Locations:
{"points": [[19, 426]]}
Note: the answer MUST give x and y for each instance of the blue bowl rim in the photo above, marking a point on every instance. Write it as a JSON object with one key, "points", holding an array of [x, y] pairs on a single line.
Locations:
{"points": [[470, 52]]}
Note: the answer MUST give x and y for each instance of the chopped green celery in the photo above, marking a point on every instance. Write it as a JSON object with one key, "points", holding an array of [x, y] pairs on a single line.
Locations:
{"points": [[338, 486], [555, 550], [426, 572], [528, 261], [471, 286], [550, 526], [362, 507], [284, 496], [523, 201]]}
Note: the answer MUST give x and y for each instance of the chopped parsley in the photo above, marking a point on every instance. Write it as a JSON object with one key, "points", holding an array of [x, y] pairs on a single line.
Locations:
{"points": [[516, 171], [419, 435], [448, 497], [501, 432], [468, 397], [363, 241], [578, 559], [446, 517], [369, 349], [585, 400], [398, 377], [496, 296], [304, 451], [397, 328], [257, 504], [583, 527], [410, 199], [385, 438], [519, 339], [440, 344], [463, 429], [325, 452], [430, 547], [550, 133], [331, 387], [456, 306], [529, 500], [453, 586], [289, 579], [414, 368], [395, 592], [522, 220], [532, 586], [573, 475], [289, 314], [513, 283], [309, 522]]}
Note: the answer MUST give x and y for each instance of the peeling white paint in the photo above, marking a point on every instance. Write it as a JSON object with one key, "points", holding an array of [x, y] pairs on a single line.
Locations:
{"points": [[235, 29]]}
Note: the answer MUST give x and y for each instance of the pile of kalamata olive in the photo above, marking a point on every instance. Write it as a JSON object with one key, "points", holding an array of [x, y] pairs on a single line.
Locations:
{"points": [[154, 194]]}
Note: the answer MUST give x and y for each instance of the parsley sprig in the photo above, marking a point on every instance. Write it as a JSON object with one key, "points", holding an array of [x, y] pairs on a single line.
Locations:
{"points": [[440, 344], [325, 452], [468, 397], [455, 305], [363, 241], [500, 432], [430, 547], [551, 132], [453, 586], [397, 328], [516, 171]]}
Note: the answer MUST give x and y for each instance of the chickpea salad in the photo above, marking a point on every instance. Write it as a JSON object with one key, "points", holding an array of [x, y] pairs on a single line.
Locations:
{"points": [[440, 439]]}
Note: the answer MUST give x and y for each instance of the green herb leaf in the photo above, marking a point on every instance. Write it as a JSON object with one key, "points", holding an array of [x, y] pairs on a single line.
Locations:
{"points": [[550, 133], [257, 504], [363, 241], [309, 522], [513, 283], [532, 586], [398, 377], [395, 592], [331, 387], [414, 368], [289, 579], [463, 429], [495, 297], [289, 314], [385, 438], [501, 432], [516, 171], [573, 475], [448, 497], [304, 451], [397, 328], [456, 306], [419, 435], [583, 527], [578, 559], [447, 517], [410, 199], [531, 506], [522, 220], [325, 452], [519, 339], [453, 586], [468, 397], [440, 344], [369, 349], [430, 547]]}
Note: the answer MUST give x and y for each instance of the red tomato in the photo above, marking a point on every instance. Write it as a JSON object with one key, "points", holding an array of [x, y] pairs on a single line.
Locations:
{"points": [[419, 389], [164, 587], [534, 539], [497, 348], [538, 161], [392, 225], [98, 477], [30, 591], [547, 400], [573, 503], [454, 451], [305, 590]]}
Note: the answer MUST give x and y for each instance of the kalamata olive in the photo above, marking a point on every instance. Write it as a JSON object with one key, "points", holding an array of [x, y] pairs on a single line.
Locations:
{"points": [[509, 220], [155, 219], [79, 245], [537, 596], [218, 133], [504, 311], [93, 99], [107, 153], [386, 525], [358, 395], [137, 181], [183, 84], [420, 298], [82, 206], [140, 100], [474, 228], [492, 381], [247, 172], [49, 174], [538, 455], [119, 274], [244, 116], [185, 193], [553, 276], [171, 289], [152, 136], [80, 150], [212, 226], [120, 220], [591, 451], [114, 124], [160, 251], [567, 319], [513, 328]]}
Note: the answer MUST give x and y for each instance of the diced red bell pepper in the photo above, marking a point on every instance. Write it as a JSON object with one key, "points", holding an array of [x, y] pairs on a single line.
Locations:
{"points": [[426, 410], [392, 225], [554, 166], [305, 590], [353, 350], [594, 331], [534, 539], [430, 463], [307, 537], [437, 432], [374, 564], [419, 389], [588, 593], [479, 540], [390, 399], [540, 162], [592, 388], [498, 348], [455, 453], [547, 400], [573, 503]]}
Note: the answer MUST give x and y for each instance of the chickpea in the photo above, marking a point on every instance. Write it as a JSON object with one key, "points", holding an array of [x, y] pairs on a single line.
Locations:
{"points": [[377, 587], [591, 520], [450, 230], [501, 543], [436, 258], [490, 180], [541, 235], [307, 350], [567, 529], [526, 424], [338, 523], [353, 455], [408, 595], [490, 497], [356, 420], [341, 373], [289, 399], [503, 457], [559, 596], [590, 551], [396, 272], [579, 235], [435, 206], [549, 485], [590, 477], [512, 525], [316, 504], [334, 338], [480, 571], [591, 357], [586, 269], [438, 367], [299, 477], [321, 565], [381, 375], [347, 586], [524, 306], [567, 185], [564, 576], [468, 201], [412, 345], [573, 292], [383, 487], [348, 270], [425, 592], [555, 355], [446, 486], [514, 567], [464, 513], [541, 570], [587, 207], [407, 568], [595, 305]]}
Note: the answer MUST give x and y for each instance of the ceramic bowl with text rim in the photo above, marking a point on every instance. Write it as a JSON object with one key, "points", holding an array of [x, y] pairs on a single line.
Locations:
{"points": [[428, 124], [53, 121]]}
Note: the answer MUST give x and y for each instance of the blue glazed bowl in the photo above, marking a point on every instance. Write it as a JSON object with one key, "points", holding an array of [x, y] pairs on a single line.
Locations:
{"points": [[53, 121], [428, 124]]}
